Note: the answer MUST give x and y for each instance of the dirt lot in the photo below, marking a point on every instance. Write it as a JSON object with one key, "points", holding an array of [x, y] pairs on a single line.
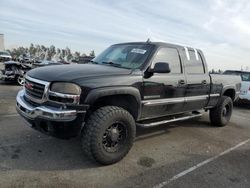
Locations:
{"points": [[184, 154]]}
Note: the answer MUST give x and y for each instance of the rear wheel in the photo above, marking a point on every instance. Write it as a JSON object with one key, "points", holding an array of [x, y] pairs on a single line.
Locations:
{"points": [[221, 114], [108, 134]]}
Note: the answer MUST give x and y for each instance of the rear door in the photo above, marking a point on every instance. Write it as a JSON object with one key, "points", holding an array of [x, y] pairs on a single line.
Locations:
{"points": [[163, 93], [198, 80]]}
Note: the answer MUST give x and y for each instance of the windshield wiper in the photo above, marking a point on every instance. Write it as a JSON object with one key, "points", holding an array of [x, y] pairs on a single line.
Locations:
{"points": [[112, 63], [94, 62]]}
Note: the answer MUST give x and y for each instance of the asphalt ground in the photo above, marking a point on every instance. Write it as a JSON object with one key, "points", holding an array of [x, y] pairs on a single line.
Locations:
{"points": [[184, 154]]}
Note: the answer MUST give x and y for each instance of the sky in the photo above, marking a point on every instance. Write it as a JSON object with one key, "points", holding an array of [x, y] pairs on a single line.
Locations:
{"points": [[221, 28]]}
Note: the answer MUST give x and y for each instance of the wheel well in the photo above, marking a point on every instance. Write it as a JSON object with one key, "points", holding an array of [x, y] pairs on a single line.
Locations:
{"points": [[230, 93], [125, 101]]}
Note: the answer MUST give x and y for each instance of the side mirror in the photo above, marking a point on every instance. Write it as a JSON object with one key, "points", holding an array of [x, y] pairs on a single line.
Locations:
{"points": [[161, 67]]}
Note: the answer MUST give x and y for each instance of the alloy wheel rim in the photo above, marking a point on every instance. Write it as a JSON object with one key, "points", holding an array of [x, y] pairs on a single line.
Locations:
{"points": [[20, 80], [226, 110], [114, 137]]}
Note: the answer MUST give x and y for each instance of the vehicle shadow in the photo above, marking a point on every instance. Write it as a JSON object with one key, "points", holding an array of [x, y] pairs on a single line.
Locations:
{"points": [[243, 106], [49, 154], [10, 83], [45, 155], [145, 133]]}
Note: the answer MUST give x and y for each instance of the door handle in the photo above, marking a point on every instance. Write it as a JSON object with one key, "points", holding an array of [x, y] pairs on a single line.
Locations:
{"points": [[204, 82], [181, 82]]}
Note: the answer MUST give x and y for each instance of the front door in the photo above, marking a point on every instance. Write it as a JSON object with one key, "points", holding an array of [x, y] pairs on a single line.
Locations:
{"points": [[164, 93]]}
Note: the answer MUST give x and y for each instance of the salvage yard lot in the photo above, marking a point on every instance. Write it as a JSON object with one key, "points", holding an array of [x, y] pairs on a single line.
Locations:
{"points": [[183, 154]]}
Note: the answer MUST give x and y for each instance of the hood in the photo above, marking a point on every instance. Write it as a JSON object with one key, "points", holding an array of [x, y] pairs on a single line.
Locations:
{"points": [[75, 72]]}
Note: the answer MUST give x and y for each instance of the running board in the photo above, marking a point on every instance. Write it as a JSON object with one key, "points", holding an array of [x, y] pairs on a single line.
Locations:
{"points": [[173, 119]]}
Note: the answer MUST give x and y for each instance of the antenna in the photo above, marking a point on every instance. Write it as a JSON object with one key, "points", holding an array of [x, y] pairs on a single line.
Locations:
{"points": [[148, 41]]}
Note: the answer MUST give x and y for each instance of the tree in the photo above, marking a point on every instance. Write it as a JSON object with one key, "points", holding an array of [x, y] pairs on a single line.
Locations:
{"points": [[41, 52], [32, 50], [92, 53], [84, 54]]}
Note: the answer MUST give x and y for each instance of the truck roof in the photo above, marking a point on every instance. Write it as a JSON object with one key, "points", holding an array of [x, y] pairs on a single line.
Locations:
{"points": [[159, 44]]}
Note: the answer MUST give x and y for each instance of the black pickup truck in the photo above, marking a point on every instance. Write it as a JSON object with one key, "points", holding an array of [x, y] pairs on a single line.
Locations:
{"points": [[128, 85]]}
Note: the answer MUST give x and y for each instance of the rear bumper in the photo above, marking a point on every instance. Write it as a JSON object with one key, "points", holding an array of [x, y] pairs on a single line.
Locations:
{"points": [[244, 97], [29, 111]]}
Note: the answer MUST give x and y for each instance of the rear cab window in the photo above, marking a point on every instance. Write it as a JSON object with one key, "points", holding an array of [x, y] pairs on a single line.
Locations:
{"points": [[194, 63]]}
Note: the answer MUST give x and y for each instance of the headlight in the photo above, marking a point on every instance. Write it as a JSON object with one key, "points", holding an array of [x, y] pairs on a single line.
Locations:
{"points": [[66, 88], [67, 93]]}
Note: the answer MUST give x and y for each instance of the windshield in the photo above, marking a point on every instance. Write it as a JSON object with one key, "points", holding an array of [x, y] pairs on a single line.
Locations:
{"points": [[4, 53], [130, 56]]}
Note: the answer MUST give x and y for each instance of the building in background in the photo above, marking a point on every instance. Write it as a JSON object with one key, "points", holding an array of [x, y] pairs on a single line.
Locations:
{"points": [[1, 42]]}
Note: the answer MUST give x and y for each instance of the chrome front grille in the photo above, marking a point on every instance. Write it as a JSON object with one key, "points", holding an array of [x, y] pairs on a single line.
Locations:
{"points": [[35, 89]]}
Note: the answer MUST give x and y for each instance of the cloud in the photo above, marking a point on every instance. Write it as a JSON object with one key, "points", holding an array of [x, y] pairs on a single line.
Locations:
{"points": [[219, 27]]}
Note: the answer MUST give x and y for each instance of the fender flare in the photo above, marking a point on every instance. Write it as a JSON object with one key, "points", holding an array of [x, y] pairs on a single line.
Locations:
{"points": [[111, 91], [225, 88]]}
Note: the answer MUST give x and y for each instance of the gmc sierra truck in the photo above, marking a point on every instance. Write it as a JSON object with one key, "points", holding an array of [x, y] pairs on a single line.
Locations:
{"points": [[128, 85]]}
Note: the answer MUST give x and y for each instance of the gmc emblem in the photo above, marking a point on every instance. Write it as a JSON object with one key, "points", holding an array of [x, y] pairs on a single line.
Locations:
{"points": [[29, 86]]}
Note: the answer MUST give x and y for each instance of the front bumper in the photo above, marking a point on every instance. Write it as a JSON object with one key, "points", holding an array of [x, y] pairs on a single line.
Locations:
{"points": [[58, 122], [29, 111]]}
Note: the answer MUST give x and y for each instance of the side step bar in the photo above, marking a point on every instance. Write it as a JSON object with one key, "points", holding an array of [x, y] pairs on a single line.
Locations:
{"points": [[173, 119]]}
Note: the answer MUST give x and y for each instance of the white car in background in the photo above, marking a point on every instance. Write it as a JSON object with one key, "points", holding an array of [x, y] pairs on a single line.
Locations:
{"points": [[5, 56], [245, 84]]}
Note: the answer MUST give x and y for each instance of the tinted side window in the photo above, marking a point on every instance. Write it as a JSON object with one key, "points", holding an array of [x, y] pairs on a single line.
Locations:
{"points": [[245, 77], [194, 65], [170, 56]]}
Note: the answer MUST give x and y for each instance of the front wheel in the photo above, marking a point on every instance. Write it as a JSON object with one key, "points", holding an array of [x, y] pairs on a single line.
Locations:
{"points": [[108, 134], [221, 114]]}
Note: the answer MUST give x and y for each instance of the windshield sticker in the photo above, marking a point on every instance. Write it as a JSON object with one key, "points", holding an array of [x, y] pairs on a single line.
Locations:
{"points": [[138, 51]]}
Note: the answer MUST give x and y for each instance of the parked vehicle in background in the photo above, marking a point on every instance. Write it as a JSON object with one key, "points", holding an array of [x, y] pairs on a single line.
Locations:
{"points": [[14, 71], [84, 59], [130, 84], [45, 63], [25, 58], [5, 56], [245, 84]]}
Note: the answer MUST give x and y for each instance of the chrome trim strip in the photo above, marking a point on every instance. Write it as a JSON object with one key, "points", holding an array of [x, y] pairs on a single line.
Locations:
{"points": [[196, 98], [215, 95], [45, 112], [174, 100], [36, 80], [163, 101]]}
